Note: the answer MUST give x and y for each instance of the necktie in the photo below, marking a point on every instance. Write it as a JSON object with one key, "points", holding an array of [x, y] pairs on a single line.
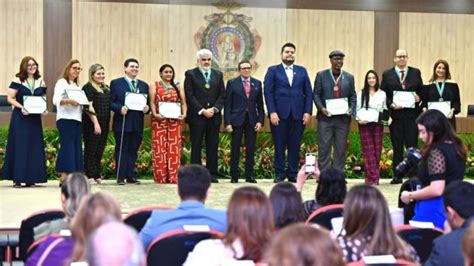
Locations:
{"points": [[247, 87], [134, 87], [402, 75]]}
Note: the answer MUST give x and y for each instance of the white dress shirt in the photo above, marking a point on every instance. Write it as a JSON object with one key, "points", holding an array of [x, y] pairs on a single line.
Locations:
{"points": [[66, 111], [289, 73]]}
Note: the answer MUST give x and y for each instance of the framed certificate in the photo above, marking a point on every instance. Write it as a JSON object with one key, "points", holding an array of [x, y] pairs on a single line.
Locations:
{"points": [[77, 95], [443, 107], [169, 109], [339, 106], [369, 115], [35, 104], [405, 99], [135, 101]]}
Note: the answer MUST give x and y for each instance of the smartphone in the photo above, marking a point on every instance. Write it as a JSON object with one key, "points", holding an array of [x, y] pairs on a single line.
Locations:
{"points": [[310, 163]]}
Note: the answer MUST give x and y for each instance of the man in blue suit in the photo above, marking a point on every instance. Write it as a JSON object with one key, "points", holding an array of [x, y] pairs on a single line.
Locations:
{"points": [[288, 96], [127, 122], [243, 114], [333, 130]]}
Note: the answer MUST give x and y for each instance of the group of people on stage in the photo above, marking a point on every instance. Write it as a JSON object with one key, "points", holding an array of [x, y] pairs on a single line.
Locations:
{"points": [[289, 99]]}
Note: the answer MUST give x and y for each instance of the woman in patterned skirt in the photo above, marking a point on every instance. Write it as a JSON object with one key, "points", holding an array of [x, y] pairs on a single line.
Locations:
{"points": [[166, 131]]}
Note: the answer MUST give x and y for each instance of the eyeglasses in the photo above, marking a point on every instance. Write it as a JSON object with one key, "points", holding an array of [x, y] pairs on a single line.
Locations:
{"points": [[246, 68], [401, 56], [77, 68], [31, 65]]}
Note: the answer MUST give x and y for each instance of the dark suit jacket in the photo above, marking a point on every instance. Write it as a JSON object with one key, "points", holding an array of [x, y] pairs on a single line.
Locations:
{"points": [[133, 119], [447, 248], [237, 103], [285, 99], [324, 90], [391, 82], [198, 97]]}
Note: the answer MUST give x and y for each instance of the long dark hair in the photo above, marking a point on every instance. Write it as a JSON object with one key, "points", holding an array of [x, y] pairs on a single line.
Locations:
{"points": [[365, 90], [287, 204], [23, 72], [332, 187], [447, 75], [162, 68], [441, 130]]}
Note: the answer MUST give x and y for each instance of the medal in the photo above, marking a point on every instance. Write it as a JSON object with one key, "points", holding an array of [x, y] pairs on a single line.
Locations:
{"points": [[441, 99], [336, 81], [336, 88], [440, 89], [207, 86], [403, 85]]}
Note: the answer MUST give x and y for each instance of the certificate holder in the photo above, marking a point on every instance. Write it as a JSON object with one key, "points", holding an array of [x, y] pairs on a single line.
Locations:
{"points": [[444, 107], [405, 99], [369, 114], [338, 106], [35, 104], [77, 95], [135, 101], [169, 109]]}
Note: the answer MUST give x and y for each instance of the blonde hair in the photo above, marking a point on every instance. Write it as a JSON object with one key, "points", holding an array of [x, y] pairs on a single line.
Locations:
{"points": [[75, 188], [92, 70]]}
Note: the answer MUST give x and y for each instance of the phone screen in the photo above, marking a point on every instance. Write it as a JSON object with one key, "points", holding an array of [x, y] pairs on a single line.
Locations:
{"points": [[310, 163]]}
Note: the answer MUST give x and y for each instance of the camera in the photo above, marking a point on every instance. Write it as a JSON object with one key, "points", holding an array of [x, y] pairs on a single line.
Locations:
{"points": [[412, 157]]}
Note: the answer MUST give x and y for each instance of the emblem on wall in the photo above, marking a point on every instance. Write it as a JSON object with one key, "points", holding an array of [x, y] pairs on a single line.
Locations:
{"points": [[229, 37]]}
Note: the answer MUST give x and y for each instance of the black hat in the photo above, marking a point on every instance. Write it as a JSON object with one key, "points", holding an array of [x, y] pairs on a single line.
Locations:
{"points": [[336, 53]]}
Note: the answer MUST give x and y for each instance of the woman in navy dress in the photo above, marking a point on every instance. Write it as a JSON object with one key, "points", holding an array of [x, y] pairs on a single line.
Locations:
{"points": [[24, 158]]}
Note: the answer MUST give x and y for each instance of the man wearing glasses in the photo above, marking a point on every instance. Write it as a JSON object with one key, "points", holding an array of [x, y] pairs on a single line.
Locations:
{"points": [[403, 129], [243, 115]]}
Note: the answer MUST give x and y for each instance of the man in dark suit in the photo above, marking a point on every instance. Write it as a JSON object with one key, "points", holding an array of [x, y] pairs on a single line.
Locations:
{"points": [[243, 114], [288, 96], [127, 122], [459, 204], [333, 130], [205, 95], [403, 129]]}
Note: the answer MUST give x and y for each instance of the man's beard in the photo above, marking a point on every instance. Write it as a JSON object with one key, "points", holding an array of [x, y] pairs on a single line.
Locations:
{"points": [[288, 61]]}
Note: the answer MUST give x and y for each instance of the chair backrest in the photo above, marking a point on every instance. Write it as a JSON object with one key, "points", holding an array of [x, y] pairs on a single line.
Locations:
{"points": [[26, 236], [4, 105], [398, 262], [38, 242], [172, 248], [138, 217], [420, 238], [324, 215]]}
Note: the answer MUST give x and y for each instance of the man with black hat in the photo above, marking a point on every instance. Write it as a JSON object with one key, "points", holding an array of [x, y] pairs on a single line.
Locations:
{"points": [[334, 87]]}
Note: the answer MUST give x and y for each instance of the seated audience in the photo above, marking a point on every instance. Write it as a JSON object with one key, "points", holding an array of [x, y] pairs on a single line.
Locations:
{"points": [[303, 245], [74, 188], [468, 246], [331, 188], [368, 227], [459, 205], [287, 204], [193, 185], [115, 244], [249, 230]]}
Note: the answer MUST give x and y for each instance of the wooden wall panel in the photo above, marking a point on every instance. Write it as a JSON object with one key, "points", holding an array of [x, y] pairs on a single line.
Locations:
{"points": [[428, 37], [21, 35]]}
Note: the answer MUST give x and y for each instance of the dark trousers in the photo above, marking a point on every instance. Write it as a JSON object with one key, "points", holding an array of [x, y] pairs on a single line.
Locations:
{"points": [[210, 132], [94, 146], [70, 150], [332, 139], [403, 133], [287, 136], [131, 143], [250, 137]]}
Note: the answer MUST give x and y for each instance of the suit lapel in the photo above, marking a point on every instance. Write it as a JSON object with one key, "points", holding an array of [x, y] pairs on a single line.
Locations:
{"points": [[283, 73]]}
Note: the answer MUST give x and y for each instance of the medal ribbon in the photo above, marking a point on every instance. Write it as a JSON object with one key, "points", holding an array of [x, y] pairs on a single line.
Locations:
{"points": [[336, 81], [208, 78], [32, 88], [132, 88], [440, 89]]}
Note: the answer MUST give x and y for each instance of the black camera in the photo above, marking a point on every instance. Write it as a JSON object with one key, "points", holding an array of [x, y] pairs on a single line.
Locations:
{"points": [[409, 163]]}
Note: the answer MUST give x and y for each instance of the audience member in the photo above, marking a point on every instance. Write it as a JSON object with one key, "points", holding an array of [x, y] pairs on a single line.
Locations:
{"points": [[115, 244], [459, 204], [368, 227], [287, 204], [250, 227], [193, 185], [74, 188], [468, 246], [303, 245]]}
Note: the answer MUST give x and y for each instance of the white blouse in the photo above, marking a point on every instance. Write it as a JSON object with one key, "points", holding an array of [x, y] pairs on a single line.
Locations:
{"points": [[213, 252], [377, 101], [66, 111]]}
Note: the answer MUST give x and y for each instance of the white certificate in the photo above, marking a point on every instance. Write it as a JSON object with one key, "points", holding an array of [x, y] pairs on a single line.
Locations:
{"points": [[135, 101], [369, 115], [443, 107], [35, 104], [169, 109], [339, 106], [405, 99], [77, 95]]}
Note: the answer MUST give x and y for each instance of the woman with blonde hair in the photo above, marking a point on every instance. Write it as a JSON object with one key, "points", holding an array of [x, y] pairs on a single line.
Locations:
{"points": [[249, 229], [368, 227]]}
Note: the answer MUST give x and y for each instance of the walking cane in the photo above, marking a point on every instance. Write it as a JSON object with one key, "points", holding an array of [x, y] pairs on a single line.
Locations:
{"points": [[120, 150]]}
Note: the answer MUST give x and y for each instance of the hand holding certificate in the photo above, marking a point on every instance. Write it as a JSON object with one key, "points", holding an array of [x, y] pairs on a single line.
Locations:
{"points": [[339, 106], [443, 107], [35, 104], [405, 99], [78, 95], [135, 101], [169, 109], [369, 115]]}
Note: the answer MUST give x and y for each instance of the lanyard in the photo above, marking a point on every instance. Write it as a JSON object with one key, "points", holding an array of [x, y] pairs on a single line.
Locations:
{"points": [[32, 88], [132, 89], [336, 81], [208, 78], [404, 77], [168, 88], [440, 89]]}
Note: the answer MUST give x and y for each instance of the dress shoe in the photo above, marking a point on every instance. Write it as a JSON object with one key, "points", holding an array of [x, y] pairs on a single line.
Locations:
{"points": [[16, 184], [396, 180], [292, 179], [120, 182], [234, 180], [133, 180], [278, 179], [250, 180], [29, 184], [214, 180]]}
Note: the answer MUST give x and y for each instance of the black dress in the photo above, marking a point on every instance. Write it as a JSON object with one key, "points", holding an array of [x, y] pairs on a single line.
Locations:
{"points": [[451, 93], [24, 157], [94, 145]]}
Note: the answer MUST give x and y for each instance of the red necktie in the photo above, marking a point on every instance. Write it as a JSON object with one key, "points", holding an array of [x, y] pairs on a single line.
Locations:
{"points": [[247, 87]]}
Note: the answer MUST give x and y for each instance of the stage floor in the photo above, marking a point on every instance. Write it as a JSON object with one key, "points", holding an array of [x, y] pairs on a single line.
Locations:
{"points": [[19, 203]]}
